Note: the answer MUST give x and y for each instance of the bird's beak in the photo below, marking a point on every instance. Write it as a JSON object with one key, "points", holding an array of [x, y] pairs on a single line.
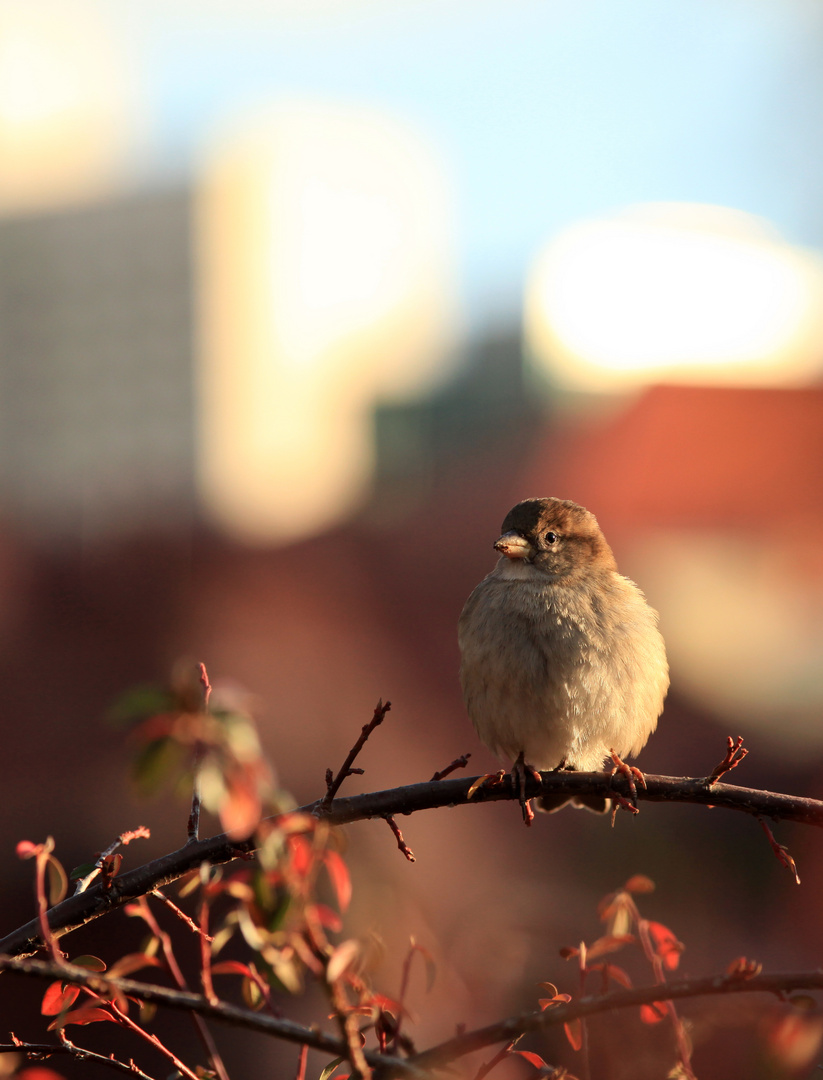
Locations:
{"points": [[513, 546]]}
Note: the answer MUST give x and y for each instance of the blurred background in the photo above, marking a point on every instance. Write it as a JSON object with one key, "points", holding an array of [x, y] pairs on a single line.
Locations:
{"points": [[297, 299]]}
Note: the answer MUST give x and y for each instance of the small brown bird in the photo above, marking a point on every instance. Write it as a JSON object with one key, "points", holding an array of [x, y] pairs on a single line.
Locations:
{"points": [[562, 661]]}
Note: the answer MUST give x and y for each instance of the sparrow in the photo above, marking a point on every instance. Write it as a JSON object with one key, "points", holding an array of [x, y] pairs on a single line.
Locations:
{"points": [[562, 663]]}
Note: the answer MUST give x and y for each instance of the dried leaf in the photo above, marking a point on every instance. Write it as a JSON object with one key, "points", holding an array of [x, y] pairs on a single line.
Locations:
{"points": [[794, 1040], [90, 963], [132, 962], [252, 994], [329, 1069], [341, 959], [617, 974], [609, 943], [431, 966], [574, 1033], [549, 989], [805, 1002], [58, 880]]}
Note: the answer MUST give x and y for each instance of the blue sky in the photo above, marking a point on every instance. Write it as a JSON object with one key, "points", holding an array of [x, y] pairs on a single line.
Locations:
{"points": [[543, 111]]}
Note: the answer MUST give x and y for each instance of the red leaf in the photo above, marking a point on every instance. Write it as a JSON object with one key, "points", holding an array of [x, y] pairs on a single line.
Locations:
{"points": [[639, 883], [574, 1033], [533, 1059], [56, 998], [666, 945], [325, 916], [231, 967], [301, 855], [654, 1013], [339, 874], [26, 849], [86, 1014], [242, 808], [558, 999]]}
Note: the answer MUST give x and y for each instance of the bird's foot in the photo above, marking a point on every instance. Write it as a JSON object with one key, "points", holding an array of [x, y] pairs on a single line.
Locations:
{"points": [[633, 777], [519, 772]]}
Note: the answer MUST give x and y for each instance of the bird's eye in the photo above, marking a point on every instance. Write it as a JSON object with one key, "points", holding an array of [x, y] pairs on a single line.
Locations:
{"points": [[551, 537]]}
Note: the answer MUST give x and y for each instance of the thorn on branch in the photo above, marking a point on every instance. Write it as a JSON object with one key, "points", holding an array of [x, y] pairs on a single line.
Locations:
{"points": [[401, 843], [458, 763], [735, 752], [333, 785], [781, 852]]}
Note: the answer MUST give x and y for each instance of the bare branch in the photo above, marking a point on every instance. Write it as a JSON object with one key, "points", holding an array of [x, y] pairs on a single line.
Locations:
{"points": [[458, 763], [333, 785], [78, 910]]}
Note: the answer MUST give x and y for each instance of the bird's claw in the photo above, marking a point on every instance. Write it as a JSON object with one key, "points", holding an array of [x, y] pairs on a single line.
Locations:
{"points": [[632, 774], [489, 779], [519, 771]]}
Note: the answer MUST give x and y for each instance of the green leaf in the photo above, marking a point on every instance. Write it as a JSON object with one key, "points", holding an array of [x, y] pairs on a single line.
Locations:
{"points": [[156, 763], [58, 882], [138, 703], [81, 871]]}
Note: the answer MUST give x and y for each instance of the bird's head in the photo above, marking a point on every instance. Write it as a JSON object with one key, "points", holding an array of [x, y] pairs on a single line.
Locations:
{"points": [[555, 537]]}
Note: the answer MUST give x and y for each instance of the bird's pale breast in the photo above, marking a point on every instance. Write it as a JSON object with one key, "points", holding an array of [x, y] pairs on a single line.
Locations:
{"points": [[561, 672]]}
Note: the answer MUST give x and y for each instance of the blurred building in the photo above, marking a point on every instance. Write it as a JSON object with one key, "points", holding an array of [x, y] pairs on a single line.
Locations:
{"points": [[96, 367]]}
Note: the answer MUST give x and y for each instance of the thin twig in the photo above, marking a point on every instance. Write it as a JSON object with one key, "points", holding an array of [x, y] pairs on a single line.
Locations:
{"points": [[41, 1051], [458, 763], [333, 784], [140, 833], [781, 851], [301, 1063], [176, 973], [193, 824], [170, 904], [401, 843], [735, 752]]}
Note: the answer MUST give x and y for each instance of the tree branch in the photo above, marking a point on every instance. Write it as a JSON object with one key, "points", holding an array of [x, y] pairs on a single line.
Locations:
{"points": [[437, 1057], [419, 1066], [199, 1004], [83, 908]]}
